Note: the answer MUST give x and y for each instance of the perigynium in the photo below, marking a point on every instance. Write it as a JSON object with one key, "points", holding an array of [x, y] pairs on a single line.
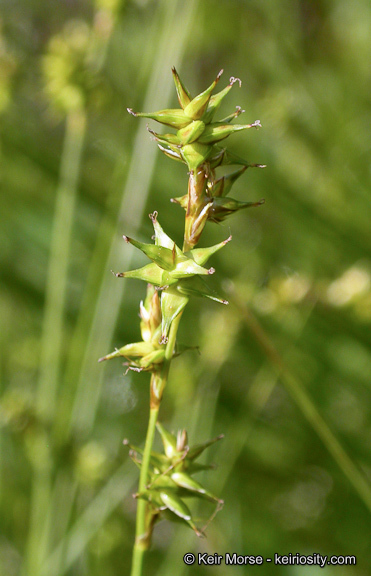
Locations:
{"points": [[173, 276]]}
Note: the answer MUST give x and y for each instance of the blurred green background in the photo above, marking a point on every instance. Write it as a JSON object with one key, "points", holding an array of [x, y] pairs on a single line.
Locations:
{"points": [[284, 371]]}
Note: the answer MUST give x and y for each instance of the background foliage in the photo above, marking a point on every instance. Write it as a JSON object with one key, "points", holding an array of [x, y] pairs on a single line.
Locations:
{"points": [[77, 172]]}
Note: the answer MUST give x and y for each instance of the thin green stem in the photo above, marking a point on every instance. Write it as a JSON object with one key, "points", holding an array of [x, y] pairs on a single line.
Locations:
{"points": [[142, 537], [144, 526]]}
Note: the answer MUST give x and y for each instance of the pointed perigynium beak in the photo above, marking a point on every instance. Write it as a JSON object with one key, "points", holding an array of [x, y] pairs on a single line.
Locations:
{"points": [[184, 96], [196, 135], [224, 207], [215, 206], [196, 143], [149, 354], [140, 356], [170, 477], [173, 270]]}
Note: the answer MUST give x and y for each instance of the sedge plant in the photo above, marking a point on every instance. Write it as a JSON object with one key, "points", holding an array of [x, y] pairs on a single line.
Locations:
{"points": [[173, 276]]}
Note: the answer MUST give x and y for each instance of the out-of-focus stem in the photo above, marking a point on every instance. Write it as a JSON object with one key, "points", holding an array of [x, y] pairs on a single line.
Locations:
{"points": [[298, 393], [52, 334], [56, 287]]}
